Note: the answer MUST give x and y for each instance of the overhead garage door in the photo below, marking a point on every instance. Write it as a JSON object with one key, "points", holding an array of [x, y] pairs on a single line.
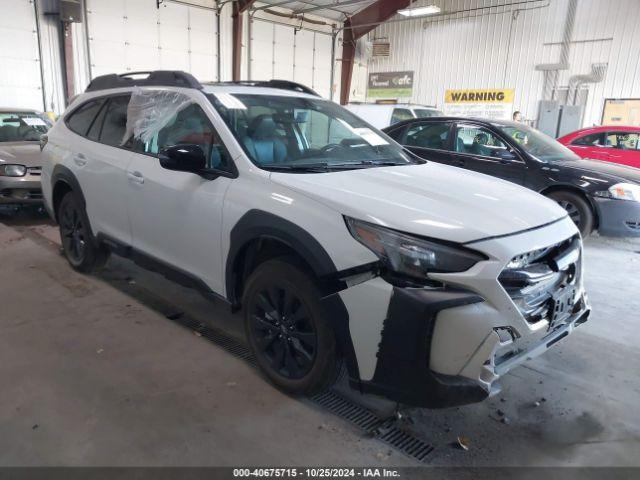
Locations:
{"points": [[20, 78], [274, 46], [134, 35]]}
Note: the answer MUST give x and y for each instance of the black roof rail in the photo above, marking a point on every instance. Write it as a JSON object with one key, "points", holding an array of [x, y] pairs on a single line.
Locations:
{"points": [[157, 78], [279, 84]]}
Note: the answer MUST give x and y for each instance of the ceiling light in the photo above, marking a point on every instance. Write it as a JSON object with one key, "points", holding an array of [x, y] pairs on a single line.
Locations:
{"points": [[420, 11]]}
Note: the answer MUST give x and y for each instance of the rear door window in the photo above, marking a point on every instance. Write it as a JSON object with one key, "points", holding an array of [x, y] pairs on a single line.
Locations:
{"points": [[96, 126], [115, 121], [82, 118], [433, 135], [593, 140], [400, 114]]}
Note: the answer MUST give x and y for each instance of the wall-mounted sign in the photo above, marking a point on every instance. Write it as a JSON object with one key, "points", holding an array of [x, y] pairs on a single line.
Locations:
{"points": [[484, 103], [624, 111], [390, 85]]}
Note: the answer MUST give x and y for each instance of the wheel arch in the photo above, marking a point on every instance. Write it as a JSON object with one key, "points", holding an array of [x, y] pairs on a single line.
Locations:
{"points": [[577, 191], [259, 236], [62, 181]]}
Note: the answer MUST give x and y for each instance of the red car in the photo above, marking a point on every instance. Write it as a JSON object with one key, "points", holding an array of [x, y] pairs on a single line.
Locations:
{"points": [[609, 143]]}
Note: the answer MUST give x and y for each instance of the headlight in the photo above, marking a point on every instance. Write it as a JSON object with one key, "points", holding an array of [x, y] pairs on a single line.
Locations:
{"points": [[13, 170], [412, 256], [625, 191]]}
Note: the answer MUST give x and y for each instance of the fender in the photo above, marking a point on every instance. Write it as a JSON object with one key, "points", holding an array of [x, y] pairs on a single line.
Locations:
{"points": [[257, 224], [65, 175]]}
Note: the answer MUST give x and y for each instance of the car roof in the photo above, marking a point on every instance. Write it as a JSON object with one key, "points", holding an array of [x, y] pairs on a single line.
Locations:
{"points": [[257, 90], [392, 105], [483, 121]]}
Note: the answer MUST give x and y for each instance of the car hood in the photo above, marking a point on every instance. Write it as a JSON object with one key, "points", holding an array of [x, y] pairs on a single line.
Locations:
{"points": [[23, 153], [606, 171], [432, 200]]}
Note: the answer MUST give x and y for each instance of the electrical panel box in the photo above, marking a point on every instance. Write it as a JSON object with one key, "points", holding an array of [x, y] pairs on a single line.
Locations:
{"points": [[549, 117], [570, 119]]}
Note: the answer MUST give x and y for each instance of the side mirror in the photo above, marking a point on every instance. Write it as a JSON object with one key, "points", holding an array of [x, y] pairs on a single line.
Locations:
{"points": [[183, 158]]}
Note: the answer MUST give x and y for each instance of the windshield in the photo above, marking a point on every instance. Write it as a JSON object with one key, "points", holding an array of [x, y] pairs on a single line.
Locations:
{"points": [[427, 113], [22, 126], [293, 133], [537, 144]]}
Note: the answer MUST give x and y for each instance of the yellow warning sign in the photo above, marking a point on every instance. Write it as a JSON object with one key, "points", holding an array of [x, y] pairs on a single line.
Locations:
{"points": [[480, 96]]}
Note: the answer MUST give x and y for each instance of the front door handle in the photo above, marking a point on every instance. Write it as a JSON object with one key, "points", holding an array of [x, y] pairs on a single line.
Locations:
{"points": [[80, 160], [136, 177], [459, 162]]}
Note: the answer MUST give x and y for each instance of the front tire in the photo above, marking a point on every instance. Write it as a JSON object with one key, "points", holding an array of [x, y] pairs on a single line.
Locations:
{"points": [[80, 248], [288, 330], [578, 209]]}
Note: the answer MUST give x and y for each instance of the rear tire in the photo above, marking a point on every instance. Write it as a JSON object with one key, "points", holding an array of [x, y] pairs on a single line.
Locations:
{"points": [[78, 244], [288, 330], [578, 209]]}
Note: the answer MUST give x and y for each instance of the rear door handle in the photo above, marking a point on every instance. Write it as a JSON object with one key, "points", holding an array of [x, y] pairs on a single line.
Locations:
{"points": [[459, 163], [136, 177], [80, 160]]}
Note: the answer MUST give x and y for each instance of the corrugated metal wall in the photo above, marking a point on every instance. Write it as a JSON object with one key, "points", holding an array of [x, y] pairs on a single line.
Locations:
{"points": [[20, 70], [286, 52], [498, 43], [134, 35]]}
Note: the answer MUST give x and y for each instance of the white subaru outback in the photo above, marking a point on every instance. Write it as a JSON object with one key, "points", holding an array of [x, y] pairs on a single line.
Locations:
{"points": [[428, 282]]}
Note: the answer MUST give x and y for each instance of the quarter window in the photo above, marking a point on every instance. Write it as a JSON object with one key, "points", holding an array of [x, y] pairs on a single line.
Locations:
{"points": [[400, 114], [80, 120], [428, 135], [480, 141]]}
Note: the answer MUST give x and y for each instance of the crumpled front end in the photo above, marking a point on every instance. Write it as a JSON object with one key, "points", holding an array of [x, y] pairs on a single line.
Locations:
{"points": [[440, 347]]}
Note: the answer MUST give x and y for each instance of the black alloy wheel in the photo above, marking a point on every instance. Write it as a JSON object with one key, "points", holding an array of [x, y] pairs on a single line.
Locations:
{"points": [[73, 232], [573, 212], [82, 250], [289, 329], [578, 209], [284, 332]]}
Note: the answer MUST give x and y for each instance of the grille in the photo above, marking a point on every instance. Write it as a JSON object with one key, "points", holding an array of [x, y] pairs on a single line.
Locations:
{"points": [[37, 171], [542, 283]]}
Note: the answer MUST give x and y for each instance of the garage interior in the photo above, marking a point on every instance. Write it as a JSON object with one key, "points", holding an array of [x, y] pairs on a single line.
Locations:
{"points": [[126, 368]]}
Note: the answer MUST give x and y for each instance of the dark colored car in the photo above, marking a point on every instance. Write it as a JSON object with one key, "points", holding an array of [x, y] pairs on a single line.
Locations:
{"points": [[597, 195]]}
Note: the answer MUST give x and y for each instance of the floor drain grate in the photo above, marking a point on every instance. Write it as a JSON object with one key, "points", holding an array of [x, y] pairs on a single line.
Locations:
{"points": [[405, 442], [385, 430], [224, 341], [343, 408]]}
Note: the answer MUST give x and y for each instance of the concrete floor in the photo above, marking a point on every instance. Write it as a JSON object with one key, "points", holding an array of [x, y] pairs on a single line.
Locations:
{"points": [[93, 373]]}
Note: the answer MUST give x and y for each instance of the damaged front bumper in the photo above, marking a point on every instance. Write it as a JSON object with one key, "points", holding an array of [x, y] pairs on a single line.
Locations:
{"points": [[445, 347]]}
